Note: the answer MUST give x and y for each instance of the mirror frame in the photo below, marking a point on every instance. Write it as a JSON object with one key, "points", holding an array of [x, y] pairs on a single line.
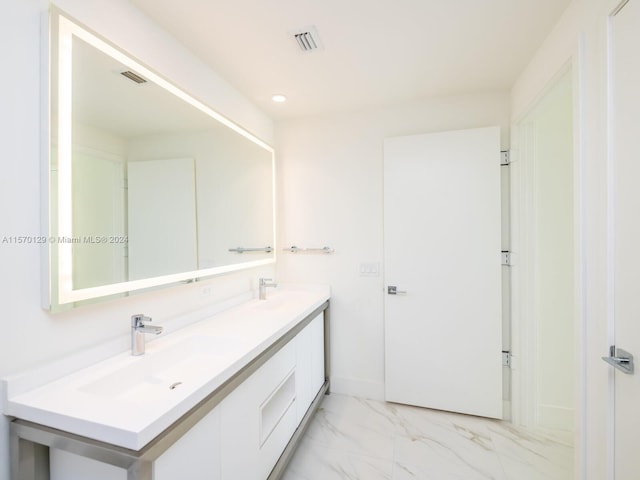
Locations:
{"points": [[58, 291]]}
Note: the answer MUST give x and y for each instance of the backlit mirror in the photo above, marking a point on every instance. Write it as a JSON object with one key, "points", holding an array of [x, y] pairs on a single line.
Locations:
{"points": [[148, 186]]}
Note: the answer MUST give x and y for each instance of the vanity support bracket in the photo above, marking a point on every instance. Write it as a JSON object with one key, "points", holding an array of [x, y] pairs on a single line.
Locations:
{"points": [[32, 459], [30, 442], [327, 346]]}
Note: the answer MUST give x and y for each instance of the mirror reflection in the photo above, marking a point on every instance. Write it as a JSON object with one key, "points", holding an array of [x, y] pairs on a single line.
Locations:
{"points": [[161, 190]]}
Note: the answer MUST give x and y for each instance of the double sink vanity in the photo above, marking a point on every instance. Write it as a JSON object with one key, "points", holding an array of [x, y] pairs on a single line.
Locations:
{"points": [[224, 398]]}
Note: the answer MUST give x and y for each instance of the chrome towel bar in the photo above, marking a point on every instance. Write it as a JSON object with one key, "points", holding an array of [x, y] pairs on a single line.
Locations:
{"points": [[258, 249], [294, 249]]}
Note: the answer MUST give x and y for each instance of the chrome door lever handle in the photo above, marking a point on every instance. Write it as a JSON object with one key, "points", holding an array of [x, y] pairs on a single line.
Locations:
{"points": [[393, 290], [620, 359]]}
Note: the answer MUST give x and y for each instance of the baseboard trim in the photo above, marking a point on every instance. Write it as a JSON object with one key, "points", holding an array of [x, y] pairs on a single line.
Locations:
{"points": [[555, 417], [357, 388]]}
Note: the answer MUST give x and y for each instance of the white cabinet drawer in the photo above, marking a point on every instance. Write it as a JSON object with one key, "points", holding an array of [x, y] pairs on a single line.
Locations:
{"points": [[259, 417]]}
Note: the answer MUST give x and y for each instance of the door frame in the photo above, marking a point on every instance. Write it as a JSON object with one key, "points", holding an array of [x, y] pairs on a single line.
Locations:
{"points": [[610, 248], [524, 272]]}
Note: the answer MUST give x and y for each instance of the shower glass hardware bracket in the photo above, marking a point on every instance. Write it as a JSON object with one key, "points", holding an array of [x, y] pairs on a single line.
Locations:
{"points": [[257, 249], [505, 158], [620, 359], [294, 249]]}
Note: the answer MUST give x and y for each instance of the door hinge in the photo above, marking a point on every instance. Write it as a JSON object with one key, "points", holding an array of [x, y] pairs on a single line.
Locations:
{"points": [[505, 157], [506, 358], [507, 258]]}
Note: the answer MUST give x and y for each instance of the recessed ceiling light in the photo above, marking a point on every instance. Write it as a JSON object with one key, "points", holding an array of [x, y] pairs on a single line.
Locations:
{"points": [[279, 98]]}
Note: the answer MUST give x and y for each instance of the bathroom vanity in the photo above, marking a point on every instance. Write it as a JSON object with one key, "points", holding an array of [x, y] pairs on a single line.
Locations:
{"points": [[225, 398]]}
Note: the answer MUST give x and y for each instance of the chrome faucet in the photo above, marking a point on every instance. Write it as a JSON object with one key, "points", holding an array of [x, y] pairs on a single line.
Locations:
{"points": [[138, 329], [262, 291]]}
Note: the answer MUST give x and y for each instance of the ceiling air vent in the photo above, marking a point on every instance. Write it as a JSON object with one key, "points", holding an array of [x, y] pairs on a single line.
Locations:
{"points": [[134, 77], [307, 39]]}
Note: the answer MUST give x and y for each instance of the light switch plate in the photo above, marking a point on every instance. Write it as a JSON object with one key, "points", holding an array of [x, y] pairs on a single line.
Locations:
{"points": [[371, 269]]}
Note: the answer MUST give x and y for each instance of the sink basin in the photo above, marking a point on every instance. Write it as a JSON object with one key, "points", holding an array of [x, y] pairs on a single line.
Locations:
{"points": [[182, 366], [275, 303], [280, 301]]}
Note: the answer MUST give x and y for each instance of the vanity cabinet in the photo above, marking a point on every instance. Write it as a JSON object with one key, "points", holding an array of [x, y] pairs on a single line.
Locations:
{"points": [[195, 456], [245, 434], [261, 415], [259, 418]]}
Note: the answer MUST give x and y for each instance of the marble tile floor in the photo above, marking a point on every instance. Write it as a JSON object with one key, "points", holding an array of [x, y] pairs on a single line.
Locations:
{"points": [[355, 439]]}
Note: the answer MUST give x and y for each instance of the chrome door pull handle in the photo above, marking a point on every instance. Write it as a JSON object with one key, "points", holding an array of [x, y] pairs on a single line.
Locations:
{"points": [[620, 359], [393, 290]]}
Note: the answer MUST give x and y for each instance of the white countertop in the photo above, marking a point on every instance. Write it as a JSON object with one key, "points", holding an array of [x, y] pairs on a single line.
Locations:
{"points": [[127, 400]]}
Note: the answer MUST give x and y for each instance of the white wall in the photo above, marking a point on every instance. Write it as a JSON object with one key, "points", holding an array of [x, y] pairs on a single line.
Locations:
{"points": [[330, 193], [545, 244], [558, 49], [233, 187], [31, 336], [554, 205]]}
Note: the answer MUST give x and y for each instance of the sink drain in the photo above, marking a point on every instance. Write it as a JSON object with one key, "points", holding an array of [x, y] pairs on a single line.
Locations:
{"points": [[174, 385]]}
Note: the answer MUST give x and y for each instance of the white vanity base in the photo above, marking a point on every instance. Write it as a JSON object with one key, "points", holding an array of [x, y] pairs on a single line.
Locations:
{"points": [[248, 427]]}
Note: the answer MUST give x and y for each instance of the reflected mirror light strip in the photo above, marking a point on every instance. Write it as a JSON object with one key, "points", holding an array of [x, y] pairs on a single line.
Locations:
{"points": [[64, 188], [115, 288], [66, 292], [274, 208], [81, 33]]}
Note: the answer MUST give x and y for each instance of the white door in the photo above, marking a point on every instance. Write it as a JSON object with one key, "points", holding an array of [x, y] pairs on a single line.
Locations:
{"points": [[98, 211], [625, 183], [162, 217], [443, 326]]}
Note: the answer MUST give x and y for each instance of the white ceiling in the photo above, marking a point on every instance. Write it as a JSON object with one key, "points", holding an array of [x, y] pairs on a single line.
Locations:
{"points": [[376, 52], [104, 99]]}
